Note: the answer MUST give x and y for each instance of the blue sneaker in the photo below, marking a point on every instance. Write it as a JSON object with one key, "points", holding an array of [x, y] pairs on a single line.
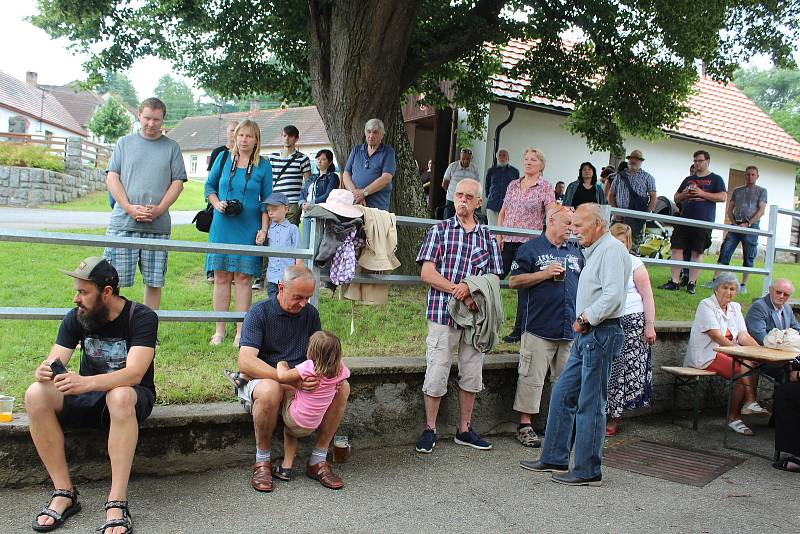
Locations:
{"points": [[426, 442], [470, 438]]}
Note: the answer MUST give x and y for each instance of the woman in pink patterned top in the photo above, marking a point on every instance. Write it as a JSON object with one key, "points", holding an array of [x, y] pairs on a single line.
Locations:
{"points": [[526, 203]]}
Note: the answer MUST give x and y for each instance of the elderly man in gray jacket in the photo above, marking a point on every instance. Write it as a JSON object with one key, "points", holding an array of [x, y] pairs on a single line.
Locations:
{"points": [[579, 396]]}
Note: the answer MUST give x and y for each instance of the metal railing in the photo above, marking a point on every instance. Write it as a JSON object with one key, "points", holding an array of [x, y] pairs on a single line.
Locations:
{"points": [[55, 238]]}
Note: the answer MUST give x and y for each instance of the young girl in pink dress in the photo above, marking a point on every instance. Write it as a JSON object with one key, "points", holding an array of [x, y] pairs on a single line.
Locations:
{"points": [[303, 410]]}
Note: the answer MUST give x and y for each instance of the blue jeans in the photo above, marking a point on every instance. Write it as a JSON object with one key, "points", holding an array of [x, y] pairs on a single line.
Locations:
{"points": [[749, 248], [579, 400]]}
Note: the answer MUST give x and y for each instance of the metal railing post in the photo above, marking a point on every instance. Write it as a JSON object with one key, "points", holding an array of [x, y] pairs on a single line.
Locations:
{"points": [[769, 258], [312, 244]]}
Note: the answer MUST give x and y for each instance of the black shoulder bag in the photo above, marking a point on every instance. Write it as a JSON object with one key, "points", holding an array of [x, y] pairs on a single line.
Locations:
{"points": [[637, 202], [202, 219]]}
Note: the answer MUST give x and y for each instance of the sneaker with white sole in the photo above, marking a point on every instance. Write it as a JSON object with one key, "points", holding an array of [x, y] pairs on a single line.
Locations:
{"points": [[426, 442], [470, 438]]}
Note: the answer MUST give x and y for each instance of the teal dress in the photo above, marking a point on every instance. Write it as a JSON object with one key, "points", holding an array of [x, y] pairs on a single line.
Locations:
{"points": [[238, 229]]}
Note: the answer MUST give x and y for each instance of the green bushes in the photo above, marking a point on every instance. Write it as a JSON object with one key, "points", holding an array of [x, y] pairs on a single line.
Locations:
{"points": [[24, 155]]}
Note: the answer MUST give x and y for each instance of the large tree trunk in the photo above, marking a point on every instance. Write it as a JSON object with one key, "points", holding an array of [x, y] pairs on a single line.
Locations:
{"points": [[341, 35]]}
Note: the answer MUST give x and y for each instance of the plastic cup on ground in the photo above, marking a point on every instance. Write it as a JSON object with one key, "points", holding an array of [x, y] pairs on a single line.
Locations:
{"points": [[6, 408]]}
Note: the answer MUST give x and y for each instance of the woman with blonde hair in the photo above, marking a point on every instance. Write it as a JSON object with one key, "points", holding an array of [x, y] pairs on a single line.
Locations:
{"points": [[236, 190], [631, 383], [526, 202]]}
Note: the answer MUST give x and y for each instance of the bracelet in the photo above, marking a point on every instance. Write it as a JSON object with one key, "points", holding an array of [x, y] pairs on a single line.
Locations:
{"points": [[650, 322]]}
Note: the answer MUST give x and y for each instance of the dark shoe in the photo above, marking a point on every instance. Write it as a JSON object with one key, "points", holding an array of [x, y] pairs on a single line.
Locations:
{"points": [[258, 285], [323, 472], [684, 280], [427, 441], [571, 480], [280, 472], [527, 436], [236, 380], [539, 467], [58, 519], [670, 286], [124, 521], [470, 438], [691, 288], [513, 337], [790, 463], [262, 477]]}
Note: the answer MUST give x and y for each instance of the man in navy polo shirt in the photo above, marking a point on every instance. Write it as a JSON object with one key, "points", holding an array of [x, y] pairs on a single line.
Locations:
{"points": [[370, 168], [545, 271], [274, 330]]}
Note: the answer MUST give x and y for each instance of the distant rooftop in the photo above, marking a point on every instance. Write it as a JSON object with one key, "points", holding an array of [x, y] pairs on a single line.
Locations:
{"points": [[32, 101]]}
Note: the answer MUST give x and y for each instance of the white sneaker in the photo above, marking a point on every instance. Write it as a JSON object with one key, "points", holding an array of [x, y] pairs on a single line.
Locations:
{"points": [[754, 408]]}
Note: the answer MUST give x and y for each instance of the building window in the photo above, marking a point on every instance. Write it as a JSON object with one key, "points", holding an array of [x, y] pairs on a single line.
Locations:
{"points": [[193, 164]]}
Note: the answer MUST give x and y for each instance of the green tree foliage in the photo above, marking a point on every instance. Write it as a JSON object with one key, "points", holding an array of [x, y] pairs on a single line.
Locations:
{"points": [[177, 96], [110, 121], [630, 71], [118, 83]]}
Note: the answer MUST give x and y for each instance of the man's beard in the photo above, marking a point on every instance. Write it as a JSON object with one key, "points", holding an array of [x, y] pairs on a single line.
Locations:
{"points": [[95, 319]]}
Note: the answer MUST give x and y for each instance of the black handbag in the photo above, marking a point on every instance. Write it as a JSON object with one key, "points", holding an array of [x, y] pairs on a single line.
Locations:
{"points": [[202, 219]]}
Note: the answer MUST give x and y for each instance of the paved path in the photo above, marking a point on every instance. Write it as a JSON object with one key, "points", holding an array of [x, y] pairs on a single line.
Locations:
{"points": [[42, 219], [455, 489]]}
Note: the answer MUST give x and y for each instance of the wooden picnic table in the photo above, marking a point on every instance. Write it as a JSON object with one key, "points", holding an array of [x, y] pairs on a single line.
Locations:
{"points": [[759, 356]]}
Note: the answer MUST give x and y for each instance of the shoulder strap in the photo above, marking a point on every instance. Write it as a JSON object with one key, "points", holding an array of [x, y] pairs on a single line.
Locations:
{"points": [[276, 177]]}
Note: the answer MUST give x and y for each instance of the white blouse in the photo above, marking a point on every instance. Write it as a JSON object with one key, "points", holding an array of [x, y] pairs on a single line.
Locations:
{"points": [[700, 351], [633, 300]]}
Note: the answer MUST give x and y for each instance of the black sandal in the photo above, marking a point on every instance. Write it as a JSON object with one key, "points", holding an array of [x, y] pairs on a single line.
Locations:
{"points": [[783, 464], [124, 521], [235, 378], [280, 472], [58, 519]]}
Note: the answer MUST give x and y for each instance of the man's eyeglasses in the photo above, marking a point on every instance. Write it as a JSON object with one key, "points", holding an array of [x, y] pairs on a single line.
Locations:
{"points": [[466, 151]]}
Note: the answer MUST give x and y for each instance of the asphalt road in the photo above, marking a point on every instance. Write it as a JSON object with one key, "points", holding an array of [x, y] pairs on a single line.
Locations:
{"points": [[455, 489]]}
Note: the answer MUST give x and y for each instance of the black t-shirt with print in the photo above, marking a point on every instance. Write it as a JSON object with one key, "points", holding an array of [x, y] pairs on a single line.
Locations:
{"points": [[106, 350]]}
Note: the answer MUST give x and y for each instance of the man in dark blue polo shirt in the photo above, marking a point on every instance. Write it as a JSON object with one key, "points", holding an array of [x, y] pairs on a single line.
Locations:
{"points": [[370, 168], [546, 271], [274, 330]]}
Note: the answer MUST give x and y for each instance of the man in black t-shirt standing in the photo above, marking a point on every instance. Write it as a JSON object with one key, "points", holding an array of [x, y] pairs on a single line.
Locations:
{"points": [[113, 389]]}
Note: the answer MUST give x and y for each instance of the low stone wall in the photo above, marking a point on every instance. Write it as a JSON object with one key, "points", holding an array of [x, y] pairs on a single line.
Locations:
{"points": [[26, 187], [385, 408]]}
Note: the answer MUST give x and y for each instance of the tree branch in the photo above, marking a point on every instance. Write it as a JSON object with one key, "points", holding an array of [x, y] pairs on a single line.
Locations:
{"points": [[478, 25]]}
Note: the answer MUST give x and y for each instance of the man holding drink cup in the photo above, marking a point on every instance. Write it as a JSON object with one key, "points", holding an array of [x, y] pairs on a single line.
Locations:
{"points": [[545, 271]]}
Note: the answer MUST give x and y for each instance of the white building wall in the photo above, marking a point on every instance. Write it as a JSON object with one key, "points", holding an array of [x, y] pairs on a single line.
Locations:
{"points": [[200, 173], [34, 126], [668, 160]]}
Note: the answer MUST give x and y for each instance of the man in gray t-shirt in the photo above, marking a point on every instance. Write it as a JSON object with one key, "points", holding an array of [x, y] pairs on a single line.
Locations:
{"points": [[745, 208], [145, 177]]}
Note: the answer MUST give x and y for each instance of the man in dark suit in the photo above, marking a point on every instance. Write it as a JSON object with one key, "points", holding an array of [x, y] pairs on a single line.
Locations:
{"points": [[772, 311]]}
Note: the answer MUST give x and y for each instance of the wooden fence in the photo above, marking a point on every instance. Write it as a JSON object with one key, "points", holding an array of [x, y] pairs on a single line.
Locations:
{"points": [[92, 155]]}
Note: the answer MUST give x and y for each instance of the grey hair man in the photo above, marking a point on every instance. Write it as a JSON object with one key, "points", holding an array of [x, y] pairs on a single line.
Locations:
{"points": [[454, 249], [579, 397], [497, 179], [462, 169], [772, 311], [274, 330], [370, 168]]}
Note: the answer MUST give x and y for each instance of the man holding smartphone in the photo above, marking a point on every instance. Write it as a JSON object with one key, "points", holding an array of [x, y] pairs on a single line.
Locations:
{"points": [[113, 389]]}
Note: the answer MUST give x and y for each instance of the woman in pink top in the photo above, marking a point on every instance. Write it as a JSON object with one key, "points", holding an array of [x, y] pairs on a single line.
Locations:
{"points": [[303, 410], [526, 203]]}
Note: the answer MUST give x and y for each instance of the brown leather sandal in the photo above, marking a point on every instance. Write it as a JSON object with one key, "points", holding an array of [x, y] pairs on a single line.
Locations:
{"points": [[262, 477], [323, 472]]}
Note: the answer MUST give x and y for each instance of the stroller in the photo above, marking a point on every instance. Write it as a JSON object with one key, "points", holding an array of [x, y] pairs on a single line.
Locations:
{"points": [[657, 237]]}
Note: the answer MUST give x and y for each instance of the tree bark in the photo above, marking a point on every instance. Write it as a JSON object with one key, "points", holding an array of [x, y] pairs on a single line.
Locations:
{"points": [[365, 44]]}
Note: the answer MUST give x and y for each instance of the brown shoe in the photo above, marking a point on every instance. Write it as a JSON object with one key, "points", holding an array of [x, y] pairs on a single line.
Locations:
{"points": [[324, 473], [262, 477]]}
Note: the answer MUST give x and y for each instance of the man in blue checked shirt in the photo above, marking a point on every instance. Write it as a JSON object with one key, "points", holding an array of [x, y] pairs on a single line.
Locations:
{"points": [[454, 249]]}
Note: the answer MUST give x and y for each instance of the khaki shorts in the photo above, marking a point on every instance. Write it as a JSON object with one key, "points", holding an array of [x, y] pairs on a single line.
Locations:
{"points": [[442, 342], [536, 355], [288, 422]]}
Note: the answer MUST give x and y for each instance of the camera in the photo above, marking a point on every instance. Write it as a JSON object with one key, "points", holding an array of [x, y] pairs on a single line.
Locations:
{"points": [[234, 207]]}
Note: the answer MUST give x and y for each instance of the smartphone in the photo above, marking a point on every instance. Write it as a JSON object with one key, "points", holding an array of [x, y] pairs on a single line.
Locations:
{"points": [[57, 367]]}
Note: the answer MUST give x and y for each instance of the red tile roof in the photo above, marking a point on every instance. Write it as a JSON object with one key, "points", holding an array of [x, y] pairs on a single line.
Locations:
{"points": [[721, 113], [80, 104], [208, 131], [20, 97]]}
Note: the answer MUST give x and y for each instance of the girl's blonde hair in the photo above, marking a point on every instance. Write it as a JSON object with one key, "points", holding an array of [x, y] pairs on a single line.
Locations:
{"points": [[618, 229], [325, 350], [255, 158], [536, 151]]}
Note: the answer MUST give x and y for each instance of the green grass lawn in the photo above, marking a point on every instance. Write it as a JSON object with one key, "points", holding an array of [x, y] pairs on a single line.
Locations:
{"points": [[191, 199], [187, 368]]}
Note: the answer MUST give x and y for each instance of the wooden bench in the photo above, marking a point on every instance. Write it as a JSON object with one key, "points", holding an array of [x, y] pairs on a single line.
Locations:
{"points": [[687, 377]]}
